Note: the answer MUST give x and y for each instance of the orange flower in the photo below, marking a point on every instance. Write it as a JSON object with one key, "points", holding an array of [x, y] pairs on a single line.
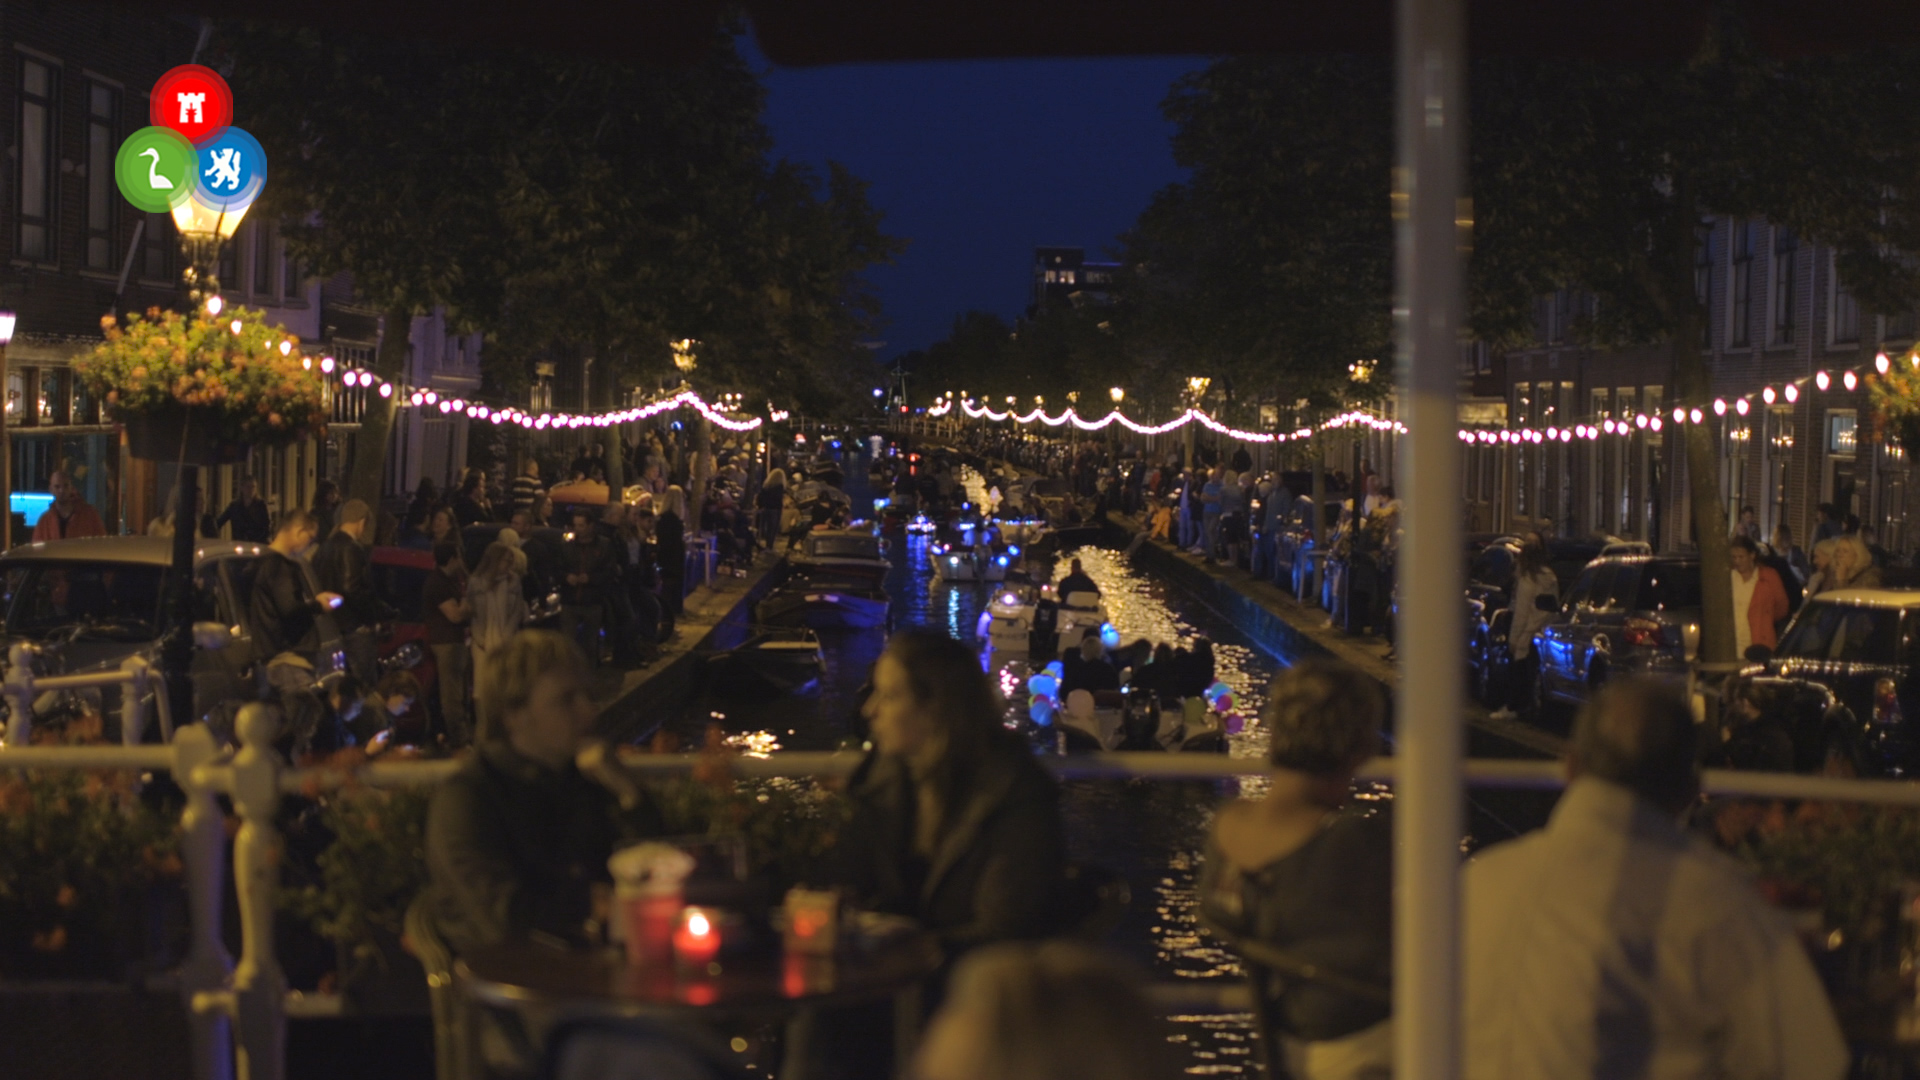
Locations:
{"points": [[66, 897], [51, 941]]}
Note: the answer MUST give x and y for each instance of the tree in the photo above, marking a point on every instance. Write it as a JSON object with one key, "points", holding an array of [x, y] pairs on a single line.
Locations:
{"points": [[379, 150], [1599, 178]]}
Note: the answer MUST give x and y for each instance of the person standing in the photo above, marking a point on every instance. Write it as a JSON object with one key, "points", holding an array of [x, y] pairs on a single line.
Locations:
{"points": [[770, 504], [1826, 524], [443, 604], [69, 518], [1532, 579], [527, 485], [670, 547], [1759, 599], [341, 566], [499, 608], [1211, 506], [284, 610], [1614, 944], [247, 517], [590, 575], [470, 505], [326, 500]]}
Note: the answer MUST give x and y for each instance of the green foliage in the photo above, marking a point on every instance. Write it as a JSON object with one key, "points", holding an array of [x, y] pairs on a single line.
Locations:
{"points": [[1852, 861], [788, 825], [254, 391], [373, 868], [76, 851], [1896, 403]]}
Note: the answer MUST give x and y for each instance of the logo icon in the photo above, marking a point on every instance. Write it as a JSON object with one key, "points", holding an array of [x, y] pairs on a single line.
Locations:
{"points": [[155, 169], [194, 101], [231, 169]]}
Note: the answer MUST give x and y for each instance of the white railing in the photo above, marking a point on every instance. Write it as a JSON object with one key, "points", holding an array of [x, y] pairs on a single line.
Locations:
{"points": [[238, 1011]]}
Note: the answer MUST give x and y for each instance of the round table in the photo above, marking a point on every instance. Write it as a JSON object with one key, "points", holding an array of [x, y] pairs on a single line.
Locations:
{"points": [[757, 982]]}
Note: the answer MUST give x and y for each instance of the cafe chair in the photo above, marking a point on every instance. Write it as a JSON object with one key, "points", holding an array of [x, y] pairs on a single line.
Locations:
{"points": [[633, 1048], [449, 1016], [1269, 972]]}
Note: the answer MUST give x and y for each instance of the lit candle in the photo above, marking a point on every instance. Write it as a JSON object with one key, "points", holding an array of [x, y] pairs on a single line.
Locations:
{"points": [[697, 941]]}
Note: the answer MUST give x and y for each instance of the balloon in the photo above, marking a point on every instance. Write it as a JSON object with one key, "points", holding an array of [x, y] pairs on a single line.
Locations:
{"points": [[1216, 690], [1041, 711], [1054, 668], [1109, 636], [1223, 703], [1235, 723], [1042, 686]]}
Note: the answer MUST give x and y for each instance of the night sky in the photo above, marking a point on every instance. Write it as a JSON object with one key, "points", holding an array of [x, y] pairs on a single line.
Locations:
{"points": [[978, 162]]}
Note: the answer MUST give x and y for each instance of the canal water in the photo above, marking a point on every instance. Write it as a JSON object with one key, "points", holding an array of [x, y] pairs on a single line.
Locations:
{"points": [[1150, 833]]}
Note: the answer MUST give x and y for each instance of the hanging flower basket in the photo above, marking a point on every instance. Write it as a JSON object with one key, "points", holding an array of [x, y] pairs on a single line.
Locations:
{"points": [[204, 390]]}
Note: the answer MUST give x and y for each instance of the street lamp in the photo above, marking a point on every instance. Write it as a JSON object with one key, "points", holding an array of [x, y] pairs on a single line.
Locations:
{"points": [[7, 321], [203, 226], [1118, 395]]}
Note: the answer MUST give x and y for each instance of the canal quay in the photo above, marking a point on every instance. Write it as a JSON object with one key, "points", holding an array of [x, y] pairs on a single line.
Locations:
{"points": [[1150, 833]]}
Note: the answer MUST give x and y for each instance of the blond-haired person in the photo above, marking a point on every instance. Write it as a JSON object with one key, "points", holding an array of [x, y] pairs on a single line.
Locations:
{"points": [[518, 837], [1054, 1011], [1299, 873]]}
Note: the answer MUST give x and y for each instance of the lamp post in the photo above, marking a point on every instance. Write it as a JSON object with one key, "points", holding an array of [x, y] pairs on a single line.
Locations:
{"points": [[7, 321], [1118, 395], [1196, 393], [203, 228]]}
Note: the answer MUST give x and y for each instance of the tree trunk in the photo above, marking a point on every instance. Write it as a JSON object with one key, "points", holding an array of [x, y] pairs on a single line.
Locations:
{"points": [[1318, 516], [367, 472], [610, 400], [1694, 381]]}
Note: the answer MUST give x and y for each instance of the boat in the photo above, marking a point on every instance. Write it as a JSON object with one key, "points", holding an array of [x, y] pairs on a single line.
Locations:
{"points": [[827, 607], [953, 564], [783, 659], [1006, 625], [1081, 613], [1137, 720], [850, 556]]}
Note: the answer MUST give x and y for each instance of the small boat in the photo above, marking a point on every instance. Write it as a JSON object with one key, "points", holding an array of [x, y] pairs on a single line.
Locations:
{"points": [[1081, 613], [827, 607], [952, 564], [783, 659], [1136, 720], [849, 555]]}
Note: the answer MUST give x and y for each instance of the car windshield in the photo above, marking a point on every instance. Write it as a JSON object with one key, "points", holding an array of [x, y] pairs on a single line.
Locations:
{"points": [[1667, 587], [1842, 632], [120, 601]]}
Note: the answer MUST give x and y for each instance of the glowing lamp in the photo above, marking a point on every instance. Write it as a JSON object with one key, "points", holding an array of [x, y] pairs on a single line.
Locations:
{"points": [[415, 399], [7, 321], [286, 348], [1768, 395], [1850, 381], [696, 941], [1695, 416], [386, 389], [214, 304], [1881, 363], [326, 365], [1679, 415], [1822, 380], [1719, 406], [1654, 424], [1793, 392], [236, 326], [1640, 421], [306, 363]]}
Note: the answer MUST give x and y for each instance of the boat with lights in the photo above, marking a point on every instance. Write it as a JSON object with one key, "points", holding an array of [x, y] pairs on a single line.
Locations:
{"points": [[953, 564]]}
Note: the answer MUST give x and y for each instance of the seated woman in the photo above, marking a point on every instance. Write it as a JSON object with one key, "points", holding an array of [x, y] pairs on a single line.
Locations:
{"points": [[518, 838], [953, 821], [1297, 873]]}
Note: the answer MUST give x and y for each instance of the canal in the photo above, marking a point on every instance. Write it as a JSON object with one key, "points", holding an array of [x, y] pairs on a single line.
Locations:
{"points": [[1150, 833]]}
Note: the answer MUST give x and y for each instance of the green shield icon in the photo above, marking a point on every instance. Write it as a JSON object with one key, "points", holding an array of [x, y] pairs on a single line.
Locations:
{"points": [[155, 169]]}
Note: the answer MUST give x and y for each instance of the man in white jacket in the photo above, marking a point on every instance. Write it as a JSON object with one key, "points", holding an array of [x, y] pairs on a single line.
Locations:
{"points": [[1532, 578]]}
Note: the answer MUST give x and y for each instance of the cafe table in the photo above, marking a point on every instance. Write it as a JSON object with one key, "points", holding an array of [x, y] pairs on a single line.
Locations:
{"points": [[544, 984]]}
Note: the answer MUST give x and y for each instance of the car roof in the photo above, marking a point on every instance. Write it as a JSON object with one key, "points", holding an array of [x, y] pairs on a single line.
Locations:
{"points": [[1636, 559], [131, 550], [1884, 598]]}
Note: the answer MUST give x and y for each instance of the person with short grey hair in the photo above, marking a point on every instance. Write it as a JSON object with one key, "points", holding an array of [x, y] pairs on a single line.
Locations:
{"points": [[1302, 874], [1613, 944]]}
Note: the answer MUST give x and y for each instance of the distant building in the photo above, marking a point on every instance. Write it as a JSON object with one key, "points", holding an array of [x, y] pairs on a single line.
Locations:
{"points": [[1064, 276]]}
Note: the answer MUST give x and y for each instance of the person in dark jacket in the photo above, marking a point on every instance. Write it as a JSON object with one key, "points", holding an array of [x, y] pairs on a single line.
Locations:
{"points": [[1093, 673], [247, 514], [591, 573], [1301, 873], [953, 821], [326, 501], [1076, 581], [518, 839], [341, 566], [285, 605], [670, 548]]}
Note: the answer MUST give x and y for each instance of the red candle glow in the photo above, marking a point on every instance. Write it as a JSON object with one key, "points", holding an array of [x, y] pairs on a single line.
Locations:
{"points": [[697, 941]]}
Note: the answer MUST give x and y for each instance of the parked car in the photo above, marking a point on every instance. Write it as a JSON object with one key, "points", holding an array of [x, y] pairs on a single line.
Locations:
{"points": [[1623, 615], [1861, 645], [87, 605], [1490, 570]]}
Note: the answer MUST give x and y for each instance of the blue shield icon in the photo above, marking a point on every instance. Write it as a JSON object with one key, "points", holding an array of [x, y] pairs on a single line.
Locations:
{"points": [[232, 169]]}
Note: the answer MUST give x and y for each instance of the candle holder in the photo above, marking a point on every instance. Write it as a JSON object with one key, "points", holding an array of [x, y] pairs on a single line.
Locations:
{"points": [[696, 941]]}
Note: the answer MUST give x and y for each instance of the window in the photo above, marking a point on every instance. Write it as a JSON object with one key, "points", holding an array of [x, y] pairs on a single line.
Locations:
{"points": [[156, 248], [1669, 586], [37, 153], [1841, 427], [103, 107], [1786, 248], [227, 270], [1841, 632], [261, 258], [1845, 316], [289, 273], [1740, 285]]}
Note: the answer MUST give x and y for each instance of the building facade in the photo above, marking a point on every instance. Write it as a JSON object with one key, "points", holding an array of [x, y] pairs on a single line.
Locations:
{"points": [[1777, 317]]}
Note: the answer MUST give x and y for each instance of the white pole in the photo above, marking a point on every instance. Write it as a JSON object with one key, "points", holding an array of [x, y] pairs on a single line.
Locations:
{"points": [[1431, 139]]}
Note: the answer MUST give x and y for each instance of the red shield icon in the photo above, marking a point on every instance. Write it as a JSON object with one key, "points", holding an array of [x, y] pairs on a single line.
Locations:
{"points": [[194, 101]]}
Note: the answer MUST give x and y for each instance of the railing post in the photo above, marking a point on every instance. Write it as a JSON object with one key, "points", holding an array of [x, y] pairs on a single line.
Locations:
{"points": [[259, 986], [19, 691], [133, 705], [202, 850]]}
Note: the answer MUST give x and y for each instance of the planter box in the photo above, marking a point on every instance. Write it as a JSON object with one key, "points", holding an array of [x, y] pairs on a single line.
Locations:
{"points": [[181, 434]]}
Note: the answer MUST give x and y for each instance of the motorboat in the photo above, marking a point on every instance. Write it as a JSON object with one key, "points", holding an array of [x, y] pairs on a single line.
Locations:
{"points": [[1006, 624], [841, 555], [1081, 613], [782, 659], [953, 564], [1138, 720], [824, 606]]}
